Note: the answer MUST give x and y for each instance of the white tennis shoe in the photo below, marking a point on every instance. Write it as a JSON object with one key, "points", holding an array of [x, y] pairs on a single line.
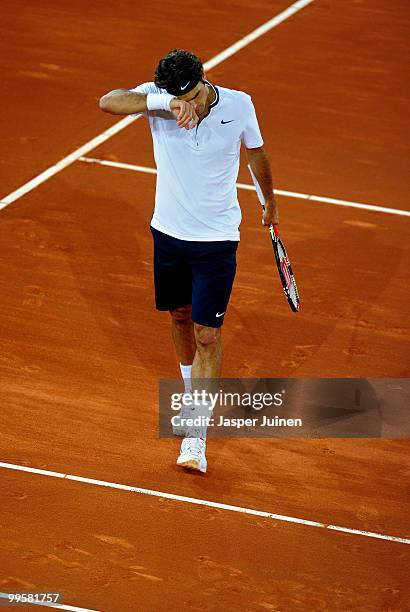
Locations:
{"points": [[192, 454], [180, 427]]}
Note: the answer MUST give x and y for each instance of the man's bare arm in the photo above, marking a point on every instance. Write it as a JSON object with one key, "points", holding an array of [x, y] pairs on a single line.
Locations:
{"points": [[259, 162], [123, 102]]}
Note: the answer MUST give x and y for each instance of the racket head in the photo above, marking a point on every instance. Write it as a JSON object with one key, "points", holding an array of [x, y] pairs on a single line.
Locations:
{"points": [[285, 270]]}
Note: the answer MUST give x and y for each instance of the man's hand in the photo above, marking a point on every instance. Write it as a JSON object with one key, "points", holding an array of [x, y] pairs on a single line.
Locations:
{"points": [[184, 113], [271, 212], [260, 166]]}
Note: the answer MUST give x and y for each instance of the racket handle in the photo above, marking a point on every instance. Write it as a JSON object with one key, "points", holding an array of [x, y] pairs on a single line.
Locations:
{"points": [[275, 230]]}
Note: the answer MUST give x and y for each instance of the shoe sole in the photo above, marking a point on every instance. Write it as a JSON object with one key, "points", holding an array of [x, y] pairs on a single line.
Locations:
{"points": [[193, 465]]}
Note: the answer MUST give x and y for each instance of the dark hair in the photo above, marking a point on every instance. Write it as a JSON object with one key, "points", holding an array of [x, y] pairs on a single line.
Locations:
{"points": [[176, 69]]}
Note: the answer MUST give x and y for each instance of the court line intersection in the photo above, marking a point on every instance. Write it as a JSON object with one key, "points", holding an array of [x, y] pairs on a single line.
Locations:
{"points": [[126, 121], [282, 192]]}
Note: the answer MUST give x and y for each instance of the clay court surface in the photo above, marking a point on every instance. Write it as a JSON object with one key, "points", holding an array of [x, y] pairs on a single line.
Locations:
{"points": [[82, 347]]}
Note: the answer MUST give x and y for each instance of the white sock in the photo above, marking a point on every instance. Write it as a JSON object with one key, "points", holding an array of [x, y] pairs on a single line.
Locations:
{"points": [[186, 371]]}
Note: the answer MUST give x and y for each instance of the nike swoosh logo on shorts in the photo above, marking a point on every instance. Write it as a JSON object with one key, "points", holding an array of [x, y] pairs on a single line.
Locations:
{"points": [[219, 314], [230, 121], [185, 86]]}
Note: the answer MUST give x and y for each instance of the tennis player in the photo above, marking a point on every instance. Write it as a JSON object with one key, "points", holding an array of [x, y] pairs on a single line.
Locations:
{"points": [[197, 130]]}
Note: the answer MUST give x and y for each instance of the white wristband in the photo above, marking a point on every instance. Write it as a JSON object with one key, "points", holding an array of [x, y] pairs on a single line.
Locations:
{"points": [[159, 101]]}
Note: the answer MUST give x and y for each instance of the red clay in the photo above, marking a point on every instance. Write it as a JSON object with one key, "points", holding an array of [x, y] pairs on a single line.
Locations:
{"points": [[83, 348]]}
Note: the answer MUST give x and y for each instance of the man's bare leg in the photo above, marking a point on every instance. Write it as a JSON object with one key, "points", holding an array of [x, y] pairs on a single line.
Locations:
{"points": [[208, 356], [207, 365], [196, 345], [183, 334]]}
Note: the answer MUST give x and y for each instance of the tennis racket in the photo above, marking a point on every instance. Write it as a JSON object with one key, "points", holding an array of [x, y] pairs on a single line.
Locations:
{"points": [[281, 257]]}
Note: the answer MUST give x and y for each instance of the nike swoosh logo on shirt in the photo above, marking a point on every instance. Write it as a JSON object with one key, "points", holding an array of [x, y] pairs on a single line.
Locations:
{"points": [[230, 121], [219, 314], [185, 86]]}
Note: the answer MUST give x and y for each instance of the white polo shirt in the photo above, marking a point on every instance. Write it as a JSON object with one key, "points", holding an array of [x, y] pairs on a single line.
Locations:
{"points": [[197, 169]]}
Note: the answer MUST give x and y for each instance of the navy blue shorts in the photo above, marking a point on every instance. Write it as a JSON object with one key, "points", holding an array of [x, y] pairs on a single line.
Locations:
{"points": [[197, 273]]}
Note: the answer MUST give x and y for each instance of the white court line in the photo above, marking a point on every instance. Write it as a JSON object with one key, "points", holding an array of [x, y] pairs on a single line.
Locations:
{"points": [[120, 125], [272, 23], [289, 194], [66, 161], [49, 605], [203, 502]]}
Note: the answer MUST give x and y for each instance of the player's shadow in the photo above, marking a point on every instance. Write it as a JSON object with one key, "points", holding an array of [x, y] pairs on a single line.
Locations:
{"points": [[337, 287], [308, 408]]}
